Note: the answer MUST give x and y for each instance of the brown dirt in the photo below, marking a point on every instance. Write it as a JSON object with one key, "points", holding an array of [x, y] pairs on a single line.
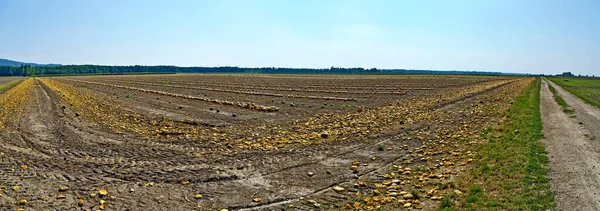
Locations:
{"points": [[170, 106], [574, 151], [61, 149]]}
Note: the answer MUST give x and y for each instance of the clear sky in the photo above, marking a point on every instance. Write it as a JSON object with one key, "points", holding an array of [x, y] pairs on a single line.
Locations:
{"points": [[535, 36]]}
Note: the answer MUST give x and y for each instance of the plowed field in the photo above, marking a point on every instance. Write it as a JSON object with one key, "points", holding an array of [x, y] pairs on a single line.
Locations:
{"points": [[243, 142]]}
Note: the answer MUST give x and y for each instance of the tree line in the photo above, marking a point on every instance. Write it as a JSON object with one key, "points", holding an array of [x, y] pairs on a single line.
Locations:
{"points": [[27, 70]]}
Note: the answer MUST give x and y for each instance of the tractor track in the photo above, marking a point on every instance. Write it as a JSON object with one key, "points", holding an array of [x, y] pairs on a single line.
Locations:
{"points": [[378, 168]]}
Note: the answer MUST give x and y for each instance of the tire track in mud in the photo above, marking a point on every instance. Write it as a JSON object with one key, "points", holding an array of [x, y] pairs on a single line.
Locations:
{"points": [[147, 147], [49, 140]]}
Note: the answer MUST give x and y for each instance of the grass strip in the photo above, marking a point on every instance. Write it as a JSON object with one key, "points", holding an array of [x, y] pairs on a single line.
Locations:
{"points": [[510, 172], [560, 100], [580, 92], [7, 86]]}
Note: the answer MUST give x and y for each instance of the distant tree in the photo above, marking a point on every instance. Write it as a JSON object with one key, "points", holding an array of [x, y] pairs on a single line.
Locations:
{"points": [[30, 70], [23, 70]]}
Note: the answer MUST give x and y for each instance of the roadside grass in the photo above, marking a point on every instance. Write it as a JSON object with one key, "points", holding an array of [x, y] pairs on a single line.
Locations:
{"points": [[511, 173], [588, 89], [560, 100], [7, 86]]}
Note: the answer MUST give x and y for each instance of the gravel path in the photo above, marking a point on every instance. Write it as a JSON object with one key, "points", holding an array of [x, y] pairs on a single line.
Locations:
{"points": [[573, 148]]}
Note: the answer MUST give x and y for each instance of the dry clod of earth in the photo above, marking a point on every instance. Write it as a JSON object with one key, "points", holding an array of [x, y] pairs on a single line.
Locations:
{"points": [[102, 192], [338, 189], [63, 188]]}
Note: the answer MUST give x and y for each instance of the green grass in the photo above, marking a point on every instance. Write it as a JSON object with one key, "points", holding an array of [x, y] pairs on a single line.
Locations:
{"points": [[446, 204], [415, 194], [560, 100], [6, 86], [512, 173], [588, 89]]}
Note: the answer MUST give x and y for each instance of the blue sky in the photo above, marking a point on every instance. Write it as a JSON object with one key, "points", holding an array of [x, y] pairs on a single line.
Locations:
{"points": [[535, 36]]}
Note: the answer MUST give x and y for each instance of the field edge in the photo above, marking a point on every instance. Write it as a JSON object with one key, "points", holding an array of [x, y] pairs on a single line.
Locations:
{"points": [[578, 94], [511, 170], [7, 86]]}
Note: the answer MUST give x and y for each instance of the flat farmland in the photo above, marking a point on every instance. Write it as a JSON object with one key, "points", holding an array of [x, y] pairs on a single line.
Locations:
{"points": [[244, 142], [8, 79]]}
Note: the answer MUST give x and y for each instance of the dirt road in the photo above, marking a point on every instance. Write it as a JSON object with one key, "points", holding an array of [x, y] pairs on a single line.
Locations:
{"points": [[574, 151]]}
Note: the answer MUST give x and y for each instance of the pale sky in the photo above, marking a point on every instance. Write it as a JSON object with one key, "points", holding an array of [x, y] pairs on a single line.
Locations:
{"points": [[529, 36]]}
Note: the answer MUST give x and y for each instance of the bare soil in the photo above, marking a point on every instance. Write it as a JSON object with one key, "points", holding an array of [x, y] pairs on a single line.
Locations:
{"points": [[574, 150], [61, 149]]}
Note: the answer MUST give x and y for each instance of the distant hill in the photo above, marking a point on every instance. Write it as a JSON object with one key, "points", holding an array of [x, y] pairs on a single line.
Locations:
{"points": [[11, 63]]}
